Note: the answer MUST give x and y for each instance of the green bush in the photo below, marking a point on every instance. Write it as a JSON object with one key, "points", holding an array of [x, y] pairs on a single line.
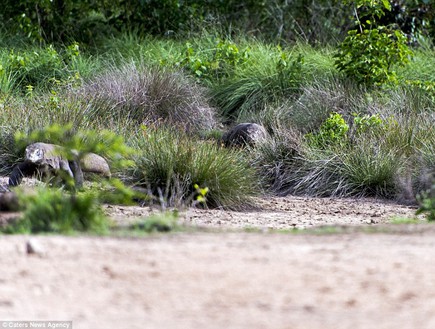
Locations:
{"points": [[52, 210], [40, 67], [369, 53], [427, 204], [213, 64], [171, 164], [333, 132], [366, 122]]}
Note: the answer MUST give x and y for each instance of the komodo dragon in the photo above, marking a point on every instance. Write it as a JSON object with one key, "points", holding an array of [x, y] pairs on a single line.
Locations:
{"points": [[46, 159]]}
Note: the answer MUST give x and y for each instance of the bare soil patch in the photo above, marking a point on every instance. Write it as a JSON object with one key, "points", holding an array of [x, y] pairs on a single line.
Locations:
{"points": [[284, 213], [229, 278]]}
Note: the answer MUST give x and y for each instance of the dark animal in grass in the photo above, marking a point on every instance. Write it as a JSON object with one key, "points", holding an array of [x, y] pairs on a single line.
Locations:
{"points": [[46, 160], [245, 134]]}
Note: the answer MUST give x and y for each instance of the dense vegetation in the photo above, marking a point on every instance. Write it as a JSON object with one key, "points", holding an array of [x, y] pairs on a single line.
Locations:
{"points": [[348, 100]]}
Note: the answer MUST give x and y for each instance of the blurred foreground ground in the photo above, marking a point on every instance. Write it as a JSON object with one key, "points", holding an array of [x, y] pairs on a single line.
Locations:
{"points": [[233, 279]]}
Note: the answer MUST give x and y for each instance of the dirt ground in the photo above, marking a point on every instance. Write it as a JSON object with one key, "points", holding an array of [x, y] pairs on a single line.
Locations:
{"points": [[371, 274]]}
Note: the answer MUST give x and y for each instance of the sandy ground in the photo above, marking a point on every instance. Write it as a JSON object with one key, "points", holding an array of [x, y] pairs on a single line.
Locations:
{"points": [[273, 213], [230, 278]]}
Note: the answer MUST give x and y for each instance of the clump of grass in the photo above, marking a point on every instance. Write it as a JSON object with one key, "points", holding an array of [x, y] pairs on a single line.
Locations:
{"points": [[252, 88], [171, 166], [320, 98], [370, 169], [277, 156], [316, 173], [383, 157], [151, 96], [161, 222], [9, 153], [37, 68]]}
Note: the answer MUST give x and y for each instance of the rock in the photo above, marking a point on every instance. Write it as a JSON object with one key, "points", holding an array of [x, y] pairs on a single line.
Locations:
{"points": [[33, 247], [244, 134]]}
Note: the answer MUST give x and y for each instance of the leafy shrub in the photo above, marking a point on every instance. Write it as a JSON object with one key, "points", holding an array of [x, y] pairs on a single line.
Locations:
{"points": [[42, 67], [216, 63], [52, 210], [170, 165], [369, 57], [150, 96], [332, 132], [369, 53], [366, 122]]}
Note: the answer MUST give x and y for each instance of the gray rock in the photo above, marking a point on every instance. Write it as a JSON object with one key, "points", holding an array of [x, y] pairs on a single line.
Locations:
{"points": [[33, 247], [245, 134]]}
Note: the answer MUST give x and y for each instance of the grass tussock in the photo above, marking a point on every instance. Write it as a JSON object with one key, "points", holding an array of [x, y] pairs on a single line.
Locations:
{"points": [[386, 157], [147, 95], [170, 165]]}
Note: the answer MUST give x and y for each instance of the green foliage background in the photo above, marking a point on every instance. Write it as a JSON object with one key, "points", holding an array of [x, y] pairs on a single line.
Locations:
{"points": [[87, 20], [348, 110]]}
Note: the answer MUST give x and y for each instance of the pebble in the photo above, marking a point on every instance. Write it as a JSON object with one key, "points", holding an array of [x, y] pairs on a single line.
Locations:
{"points": [[33, 247]]}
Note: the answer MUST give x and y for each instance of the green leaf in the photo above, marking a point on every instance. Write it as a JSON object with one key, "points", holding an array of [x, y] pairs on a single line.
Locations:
{"points": [[387, 4]]}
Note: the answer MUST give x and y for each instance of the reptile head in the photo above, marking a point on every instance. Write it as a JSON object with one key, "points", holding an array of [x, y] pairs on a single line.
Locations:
{"points": [[34, 155]]}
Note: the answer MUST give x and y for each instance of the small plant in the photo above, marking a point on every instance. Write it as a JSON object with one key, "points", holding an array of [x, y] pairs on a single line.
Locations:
{"points": [[427, 204], [201, 195], [366, 122], [290, 70], [215, 63], [162, 222], [332, 132]]}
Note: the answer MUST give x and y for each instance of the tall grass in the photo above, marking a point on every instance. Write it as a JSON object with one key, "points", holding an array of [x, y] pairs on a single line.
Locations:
{"points": [[148, 96], [170, 163], [386, 160], [136, 86]]}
